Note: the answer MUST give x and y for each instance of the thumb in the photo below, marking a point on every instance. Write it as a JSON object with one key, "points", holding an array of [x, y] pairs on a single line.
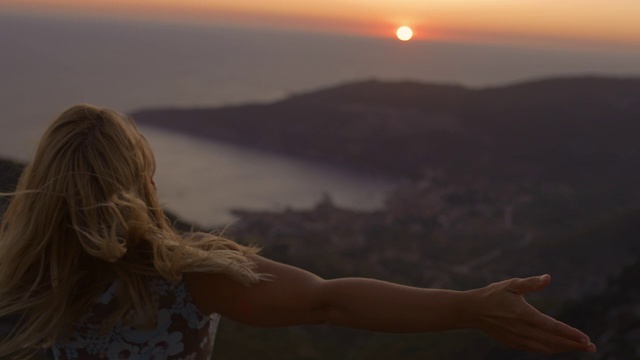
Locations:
{"points": [[535, 283]]}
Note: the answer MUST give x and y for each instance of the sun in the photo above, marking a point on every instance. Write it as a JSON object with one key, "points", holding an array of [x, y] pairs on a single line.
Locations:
{"points": [[404, 33]]}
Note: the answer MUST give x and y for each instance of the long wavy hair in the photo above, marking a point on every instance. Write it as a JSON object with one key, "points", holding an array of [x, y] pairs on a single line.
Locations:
{"points": [[85, 214]]}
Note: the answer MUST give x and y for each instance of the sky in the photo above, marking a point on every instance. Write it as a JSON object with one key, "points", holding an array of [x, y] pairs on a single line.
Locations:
{"points": [[587, 24]]}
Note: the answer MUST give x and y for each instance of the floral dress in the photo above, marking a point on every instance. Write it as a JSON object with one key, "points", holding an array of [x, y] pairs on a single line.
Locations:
{"points": [[183, 331]]}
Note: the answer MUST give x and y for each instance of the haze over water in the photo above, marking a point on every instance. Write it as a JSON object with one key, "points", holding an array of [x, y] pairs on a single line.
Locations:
{"points": [[202, 180], [48, 64]]}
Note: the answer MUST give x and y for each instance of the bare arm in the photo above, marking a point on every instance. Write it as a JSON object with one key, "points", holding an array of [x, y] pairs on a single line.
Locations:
{"points": [[296, 297]]}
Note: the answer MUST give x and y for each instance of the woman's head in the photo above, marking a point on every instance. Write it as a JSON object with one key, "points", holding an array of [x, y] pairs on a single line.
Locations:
{"points": [[88, 154], [92, 175], [85, 214]]}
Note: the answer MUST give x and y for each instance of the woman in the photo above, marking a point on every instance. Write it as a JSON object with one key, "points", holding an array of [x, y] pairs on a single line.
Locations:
{"points": [[93, 269]]}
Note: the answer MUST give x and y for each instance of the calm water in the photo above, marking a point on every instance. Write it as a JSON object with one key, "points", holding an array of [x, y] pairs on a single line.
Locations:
{"points": [[202, 180]]}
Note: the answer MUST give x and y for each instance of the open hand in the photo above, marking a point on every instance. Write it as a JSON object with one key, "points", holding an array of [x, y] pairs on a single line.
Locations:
{"points": [[503, 313]]}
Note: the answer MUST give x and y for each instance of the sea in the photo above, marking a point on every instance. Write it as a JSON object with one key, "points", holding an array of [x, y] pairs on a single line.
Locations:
{"points": [[48, 63]]}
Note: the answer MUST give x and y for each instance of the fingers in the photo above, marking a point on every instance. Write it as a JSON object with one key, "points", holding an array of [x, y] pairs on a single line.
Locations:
{"points": [[519, 325], [547, 348], [539, 320], [554, 335], [548, 343], [523, 286], [556, 328], [532, 338]]}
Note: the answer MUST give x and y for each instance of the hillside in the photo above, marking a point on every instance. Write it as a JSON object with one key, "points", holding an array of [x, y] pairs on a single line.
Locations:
{"points": [[557, 155], [572, 129]]}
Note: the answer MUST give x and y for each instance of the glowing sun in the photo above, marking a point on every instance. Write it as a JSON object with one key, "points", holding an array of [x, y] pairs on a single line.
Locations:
{"points": [[404, 33]]}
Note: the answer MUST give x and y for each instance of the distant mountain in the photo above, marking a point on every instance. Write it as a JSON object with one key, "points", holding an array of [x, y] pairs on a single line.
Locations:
{"points": [[567, 129]]}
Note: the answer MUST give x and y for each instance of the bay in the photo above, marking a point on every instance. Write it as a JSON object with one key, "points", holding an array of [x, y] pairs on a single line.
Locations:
{"points": [[202, 180]]}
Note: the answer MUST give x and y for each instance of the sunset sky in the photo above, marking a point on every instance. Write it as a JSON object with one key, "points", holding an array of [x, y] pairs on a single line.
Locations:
{"points": [[573, 23]]}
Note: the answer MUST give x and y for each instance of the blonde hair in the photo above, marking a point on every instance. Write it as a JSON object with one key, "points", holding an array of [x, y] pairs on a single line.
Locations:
{"points": [[85, 214]]}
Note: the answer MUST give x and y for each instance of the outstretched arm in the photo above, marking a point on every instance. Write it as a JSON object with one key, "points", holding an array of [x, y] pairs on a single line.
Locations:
{"points": [[296, 297]]}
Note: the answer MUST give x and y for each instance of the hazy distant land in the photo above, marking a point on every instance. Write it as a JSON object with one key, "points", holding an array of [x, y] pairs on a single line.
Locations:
{"points": [[555, 129]]}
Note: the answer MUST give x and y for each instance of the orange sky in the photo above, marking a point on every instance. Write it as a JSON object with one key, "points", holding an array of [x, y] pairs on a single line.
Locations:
{"points": [[533, 22]]}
